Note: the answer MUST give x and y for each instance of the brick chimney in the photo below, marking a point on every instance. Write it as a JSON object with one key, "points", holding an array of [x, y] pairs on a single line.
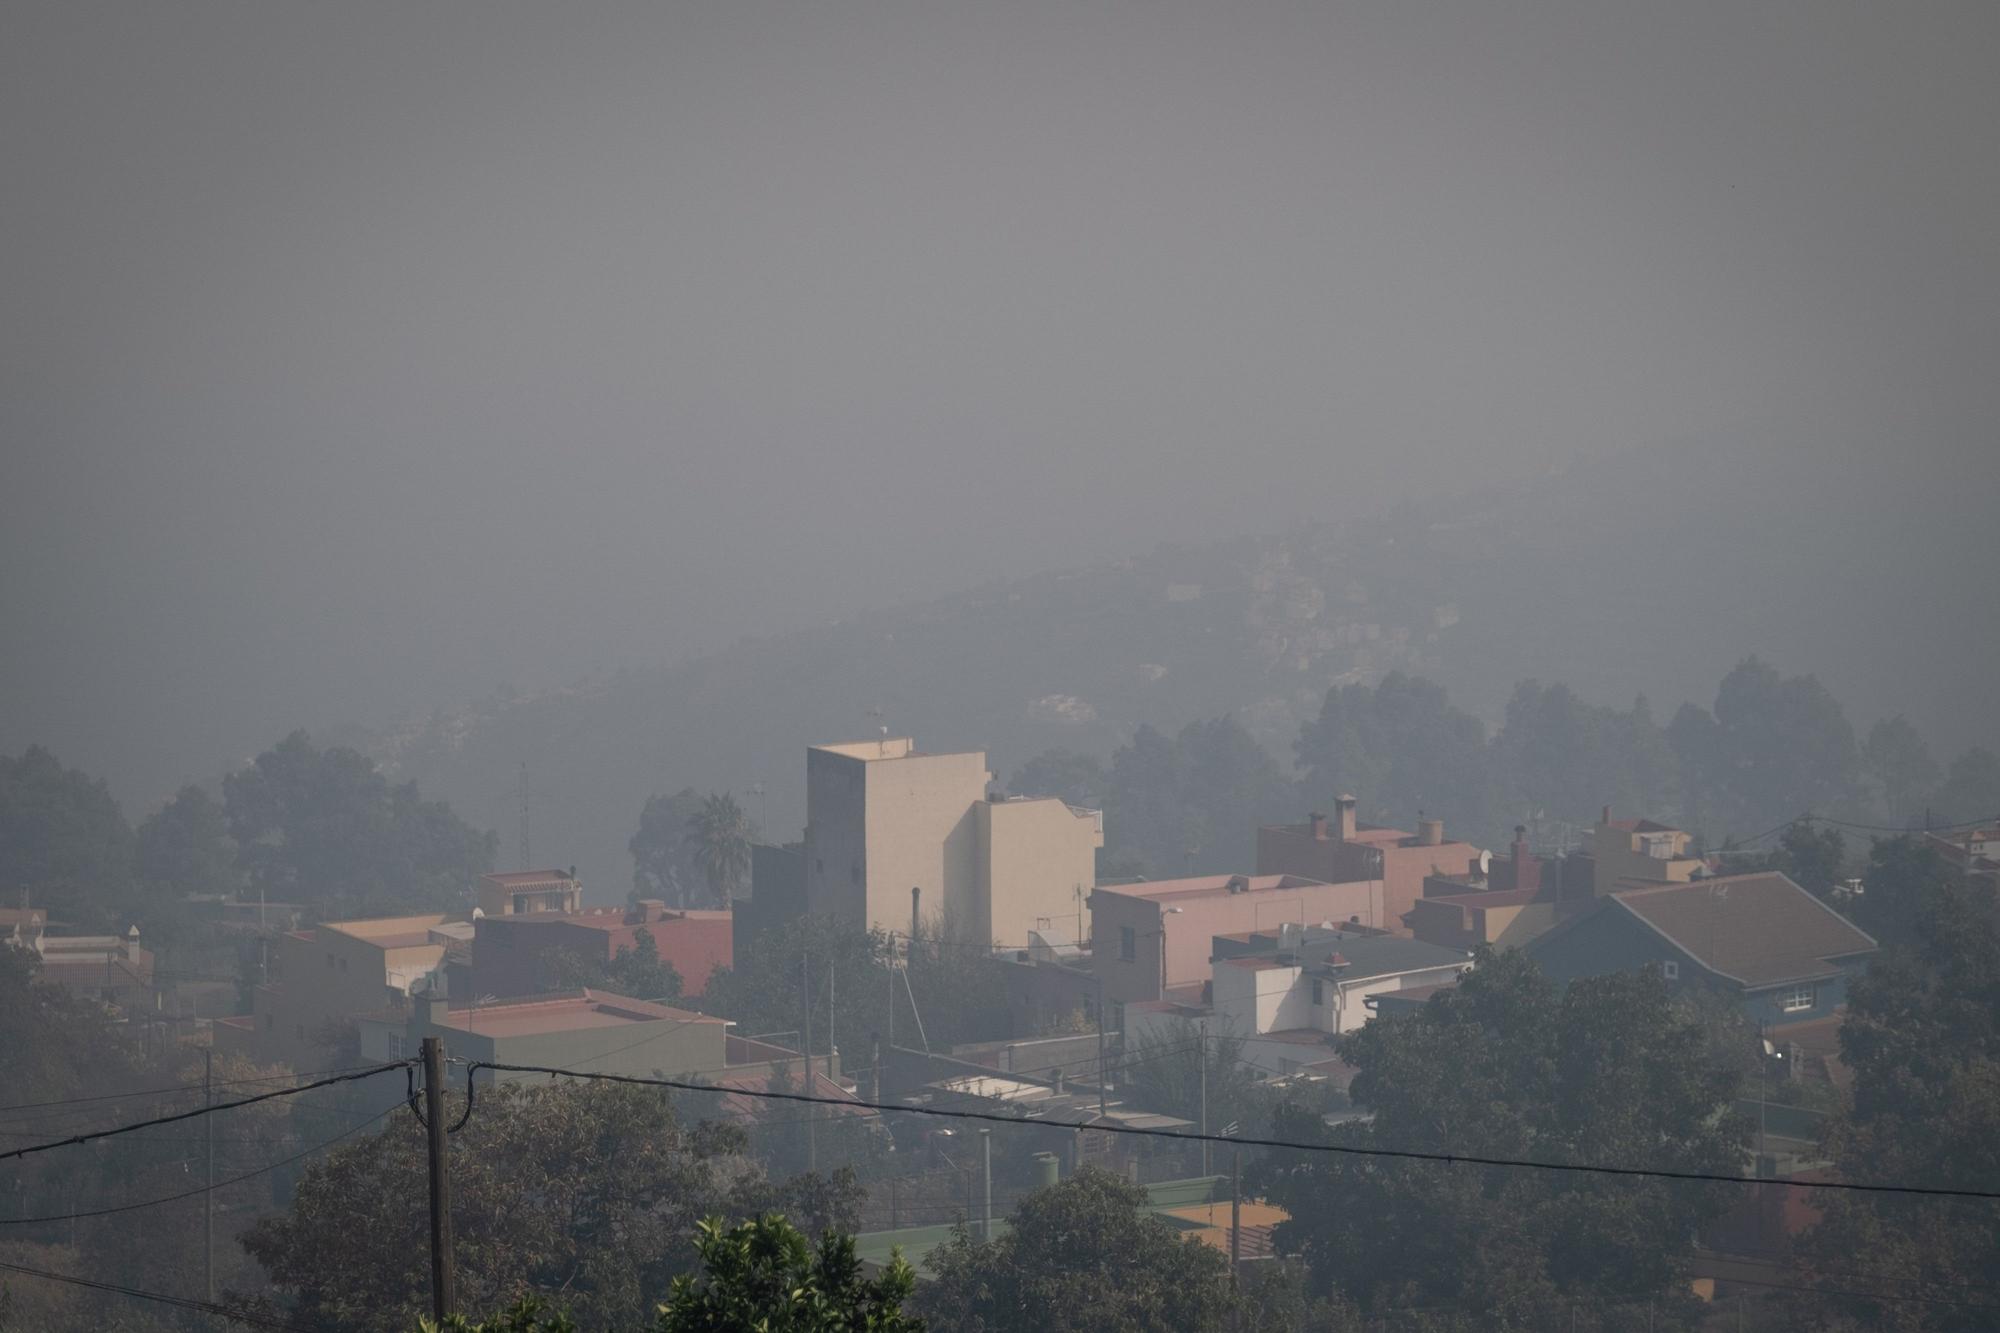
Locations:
{"points": [[1343, 813], [1318, 822], [1525, 870]]}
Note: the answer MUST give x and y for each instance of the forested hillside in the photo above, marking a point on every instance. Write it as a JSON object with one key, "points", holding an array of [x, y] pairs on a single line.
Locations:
{"points": [[1615, 580]]}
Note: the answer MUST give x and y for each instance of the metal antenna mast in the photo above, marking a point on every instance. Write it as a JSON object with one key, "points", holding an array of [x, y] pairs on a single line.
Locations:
{"points": [[527, 860]]}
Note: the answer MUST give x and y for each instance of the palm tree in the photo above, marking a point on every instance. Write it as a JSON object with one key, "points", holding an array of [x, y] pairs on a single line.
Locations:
{"points": [[721, 834]]}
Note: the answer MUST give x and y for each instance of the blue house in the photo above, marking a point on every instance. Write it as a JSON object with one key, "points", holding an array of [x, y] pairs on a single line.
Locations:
{"points": [[1782, 954]]}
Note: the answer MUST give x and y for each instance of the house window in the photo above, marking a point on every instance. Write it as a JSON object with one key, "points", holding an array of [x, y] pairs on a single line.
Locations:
{"points": [[1128, 943], [1319, 993], [1671, 970], [397, 1048], [1797, 998]]}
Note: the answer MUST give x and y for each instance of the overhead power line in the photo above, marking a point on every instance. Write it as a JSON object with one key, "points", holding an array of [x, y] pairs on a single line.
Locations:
{"points": [[174, 1089], [265, 1169], [199, 1111], [1342, 1149], [184, 1302]]}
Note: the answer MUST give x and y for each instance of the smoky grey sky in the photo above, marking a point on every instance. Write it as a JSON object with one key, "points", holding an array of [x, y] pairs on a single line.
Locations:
{"points": [[363, 356]]}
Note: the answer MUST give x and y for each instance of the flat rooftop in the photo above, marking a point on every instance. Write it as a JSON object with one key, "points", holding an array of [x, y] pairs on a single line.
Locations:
{"points": [[610, 918], [1208, 886], [575, 1012], [389, 932], [886, 747], [528, 879], [1486, 898], [1368, 835]]}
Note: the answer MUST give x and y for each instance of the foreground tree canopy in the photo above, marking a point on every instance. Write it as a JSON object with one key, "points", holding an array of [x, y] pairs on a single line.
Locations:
{"points": [[1923, 1039], [763, 1276], [1612, 1070], [1085, 1256], [589, 1191]]}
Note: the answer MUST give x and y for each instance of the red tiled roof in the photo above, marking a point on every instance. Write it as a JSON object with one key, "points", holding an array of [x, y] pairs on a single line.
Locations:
{"points": [[840, 1100]]}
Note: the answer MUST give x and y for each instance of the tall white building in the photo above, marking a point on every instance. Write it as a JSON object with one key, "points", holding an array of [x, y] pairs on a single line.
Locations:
{"points": [[882, 818]]}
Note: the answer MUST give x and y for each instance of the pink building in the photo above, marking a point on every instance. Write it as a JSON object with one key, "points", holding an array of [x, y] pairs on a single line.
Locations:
{"points": [[517, 955], [1344, 852], [1152, 937]]}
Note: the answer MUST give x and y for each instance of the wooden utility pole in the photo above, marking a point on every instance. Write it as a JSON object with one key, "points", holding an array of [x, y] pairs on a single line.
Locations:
{"points": [[1235, 1233], [1204, 1096], [1100, 1042], [208, 1189], [986, 1190], [805, 985], [444, 1283]]}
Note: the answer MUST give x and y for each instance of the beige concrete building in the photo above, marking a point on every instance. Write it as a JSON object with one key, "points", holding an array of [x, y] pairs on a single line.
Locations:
{"points": [[883, 818], [1640, 851], [517, 892], [1158, 936], [322, 979], [1037, 863]]}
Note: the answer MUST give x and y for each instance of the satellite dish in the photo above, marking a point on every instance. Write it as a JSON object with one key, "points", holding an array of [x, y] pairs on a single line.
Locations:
{"points": [[1485, 862]]}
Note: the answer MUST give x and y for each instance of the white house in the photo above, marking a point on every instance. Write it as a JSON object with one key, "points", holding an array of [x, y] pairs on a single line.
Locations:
{"points": [[1289, 994]]}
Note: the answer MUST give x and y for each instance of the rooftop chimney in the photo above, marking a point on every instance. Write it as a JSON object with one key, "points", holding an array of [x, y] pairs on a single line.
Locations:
{"points": [[1430, 832], [1526, 871], [1343, 811], [1318, 826]]}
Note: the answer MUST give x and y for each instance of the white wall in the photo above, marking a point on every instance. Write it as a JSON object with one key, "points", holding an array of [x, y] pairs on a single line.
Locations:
{"points": [[1353, 1011]]}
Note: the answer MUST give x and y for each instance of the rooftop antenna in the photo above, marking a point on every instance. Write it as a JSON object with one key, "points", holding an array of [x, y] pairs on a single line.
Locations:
{"points": [[526, 859]]}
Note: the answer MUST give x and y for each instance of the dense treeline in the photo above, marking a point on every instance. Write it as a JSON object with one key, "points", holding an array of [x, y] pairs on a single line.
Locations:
{"points": [[67, 1068], [1772, 747], [321, 828]]}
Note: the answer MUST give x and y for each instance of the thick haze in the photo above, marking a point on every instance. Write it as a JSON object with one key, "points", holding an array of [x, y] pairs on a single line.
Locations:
{"points": [[361, 357]]}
